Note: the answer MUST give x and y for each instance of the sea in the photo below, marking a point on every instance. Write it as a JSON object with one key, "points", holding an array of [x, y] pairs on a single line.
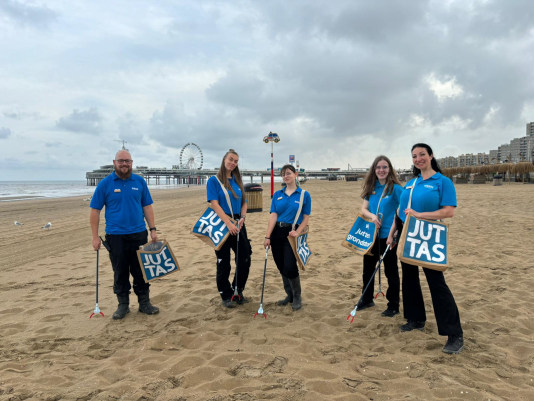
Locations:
{"points": [[11, 191], [24, 190]]}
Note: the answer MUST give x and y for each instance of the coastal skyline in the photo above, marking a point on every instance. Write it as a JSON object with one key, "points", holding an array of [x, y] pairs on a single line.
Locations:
{"points": [[340, 82]]}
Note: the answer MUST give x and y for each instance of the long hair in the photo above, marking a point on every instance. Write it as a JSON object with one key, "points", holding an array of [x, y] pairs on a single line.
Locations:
{"points": [[370, 179], [222, 175], [433, 162]]}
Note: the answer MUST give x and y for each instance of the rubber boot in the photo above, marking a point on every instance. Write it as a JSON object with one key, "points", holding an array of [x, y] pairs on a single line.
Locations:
{"points": [[287, 287], [145, 306], [124, 307], [295, 287]]}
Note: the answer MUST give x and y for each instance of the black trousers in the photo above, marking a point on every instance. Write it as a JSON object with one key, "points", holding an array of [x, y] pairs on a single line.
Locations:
{"points": [[283, 253], [391, 270], [123, 256], [445, 309], [242, 264]]}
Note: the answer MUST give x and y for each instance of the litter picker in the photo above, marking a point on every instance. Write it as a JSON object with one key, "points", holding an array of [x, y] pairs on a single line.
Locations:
{"points": [[97, 309], [260, 309], [236, 291], [352, 314]]}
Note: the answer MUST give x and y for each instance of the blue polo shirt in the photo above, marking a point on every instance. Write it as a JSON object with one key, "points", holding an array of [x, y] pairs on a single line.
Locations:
{"points": [[286, 207], [388, 206], [428, 195], [215, 192], [124, 201]]}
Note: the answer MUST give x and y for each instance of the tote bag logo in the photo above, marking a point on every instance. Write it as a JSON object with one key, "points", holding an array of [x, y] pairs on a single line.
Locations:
{"points": [[156, 260], [211, 229], [424, 243], [361, 236], [301, 249]]}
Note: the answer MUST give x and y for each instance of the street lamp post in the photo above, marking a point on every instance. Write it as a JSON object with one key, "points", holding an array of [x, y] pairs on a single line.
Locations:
{"points": [[273, 138]]}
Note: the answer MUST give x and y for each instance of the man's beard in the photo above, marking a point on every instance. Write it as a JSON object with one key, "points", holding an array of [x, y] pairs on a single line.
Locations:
{"points": [[122, 175]]}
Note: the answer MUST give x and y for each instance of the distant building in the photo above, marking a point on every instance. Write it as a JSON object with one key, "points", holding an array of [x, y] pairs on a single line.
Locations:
{"points": [[518, 150]]}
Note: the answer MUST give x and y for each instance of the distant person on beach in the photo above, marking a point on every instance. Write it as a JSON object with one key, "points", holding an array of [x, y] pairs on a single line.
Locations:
{"points": [[229, 177], [284, 208], [381, 195], [128, 204], [433, 198]]}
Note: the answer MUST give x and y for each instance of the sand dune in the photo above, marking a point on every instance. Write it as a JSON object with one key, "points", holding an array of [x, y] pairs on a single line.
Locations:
{"points": [[197, 350]]}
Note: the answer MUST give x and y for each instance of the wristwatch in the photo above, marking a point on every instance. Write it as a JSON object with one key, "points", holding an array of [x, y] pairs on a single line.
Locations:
{"points": [[152, 228]]}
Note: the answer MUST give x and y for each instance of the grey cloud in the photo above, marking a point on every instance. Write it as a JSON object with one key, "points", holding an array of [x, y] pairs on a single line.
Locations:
{"points": [[28, 14], [4, 132], [88, 122]]}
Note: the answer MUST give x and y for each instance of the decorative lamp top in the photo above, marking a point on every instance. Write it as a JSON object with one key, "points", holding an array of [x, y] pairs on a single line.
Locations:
{"points": [[272, 137]]}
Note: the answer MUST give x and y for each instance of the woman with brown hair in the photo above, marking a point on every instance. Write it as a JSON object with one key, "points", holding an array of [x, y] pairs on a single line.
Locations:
{"points": [[284, 209], [381, 195], [229, 177]]}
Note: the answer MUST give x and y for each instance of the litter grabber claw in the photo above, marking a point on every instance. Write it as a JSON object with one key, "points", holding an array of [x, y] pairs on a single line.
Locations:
{"points": [[352, 314], [260, 309], [379, 284], [97, 309]]}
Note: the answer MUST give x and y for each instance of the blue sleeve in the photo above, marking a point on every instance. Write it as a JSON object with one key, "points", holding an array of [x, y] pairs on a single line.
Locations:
{"points": [[448, 193], [146, 199], [98, 199], [397, 191], [273, 201], [306, 208], [212, 189]]}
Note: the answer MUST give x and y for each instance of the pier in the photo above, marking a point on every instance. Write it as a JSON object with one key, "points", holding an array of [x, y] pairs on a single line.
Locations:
{"points": [[177, 176]]}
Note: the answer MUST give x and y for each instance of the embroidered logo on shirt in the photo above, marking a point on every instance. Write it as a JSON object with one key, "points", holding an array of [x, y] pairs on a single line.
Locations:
{"points": [[135, 189], [117, 190], [280, 198], [297, 201], [429, 186]]}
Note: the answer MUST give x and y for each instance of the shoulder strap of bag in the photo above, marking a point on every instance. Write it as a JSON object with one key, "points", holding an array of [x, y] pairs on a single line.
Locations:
{"points": [[411, 193], [300, 209], [227, 197]]}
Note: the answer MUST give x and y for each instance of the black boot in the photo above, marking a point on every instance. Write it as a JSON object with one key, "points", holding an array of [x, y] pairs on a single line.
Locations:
{"points": [[295, 287], [287, 287], [145, 306], [124, 307]]}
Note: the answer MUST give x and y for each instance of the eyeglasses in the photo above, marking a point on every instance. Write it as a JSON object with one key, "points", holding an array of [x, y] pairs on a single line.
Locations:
{"points": [[124, 161]]}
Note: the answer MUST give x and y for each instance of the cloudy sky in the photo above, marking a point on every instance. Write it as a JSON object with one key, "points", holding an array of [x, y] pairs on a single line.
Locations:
{"points": [[340, 81]]}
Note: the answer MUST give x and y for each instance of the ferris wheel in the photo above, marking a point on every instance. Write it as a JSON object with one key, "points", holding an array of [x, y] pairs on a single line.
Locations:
{"points": [[191, 157]]}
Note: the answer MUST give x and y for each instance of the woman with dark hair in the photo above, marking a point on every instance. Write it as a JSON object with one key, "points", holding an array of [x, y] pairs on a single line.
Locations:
{"points": [[284, 208], [433, 198], [229, 177], [381, 195]]}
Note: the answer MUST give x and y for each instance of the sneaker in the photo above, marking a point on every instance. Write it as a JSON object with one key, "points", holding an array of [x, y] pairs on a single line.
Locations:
{"points": [[390, 312], [367, 305], [229, 303], [413, 324], [454, 345]]}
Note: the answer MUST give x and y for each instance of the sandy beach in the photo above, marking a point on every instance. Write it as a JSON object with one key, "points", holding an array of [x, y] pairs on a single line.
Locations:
{"points": [[197, 350]]}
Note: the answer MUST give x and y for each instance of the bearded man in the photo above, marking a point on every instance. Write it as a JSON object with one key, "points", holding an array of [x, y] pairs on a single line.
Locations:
{"points": [[128, 204]]}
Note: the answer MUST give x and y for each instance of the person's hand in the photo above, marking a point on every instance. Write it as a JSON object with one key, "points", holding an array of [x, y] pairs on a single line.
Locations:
{"points": [[232, 228], [294, 234], [241, 222], [96, 244], [154, 235], [412, 212], [392, 240], [376, 220], [267, 243]]}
